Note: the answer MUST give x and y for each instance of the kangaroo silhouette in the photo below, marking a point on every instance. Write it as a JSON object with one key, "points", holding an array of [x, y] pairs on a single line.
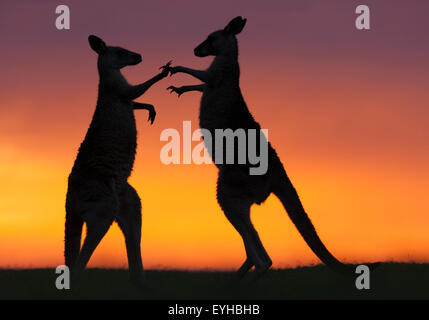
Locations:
{"points": [[222, 107], [98, 192]]}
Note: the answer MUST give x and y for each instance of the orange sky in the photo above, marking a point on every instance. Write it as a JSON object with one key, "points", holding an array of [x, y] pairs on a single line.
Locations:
{"points": [[345, 109]]}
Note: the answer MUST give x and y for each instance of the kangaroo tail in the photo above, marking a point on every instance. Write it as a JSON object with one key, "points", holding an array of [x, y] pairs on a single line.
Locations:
{"points": [[72, 237], [290, 200]]}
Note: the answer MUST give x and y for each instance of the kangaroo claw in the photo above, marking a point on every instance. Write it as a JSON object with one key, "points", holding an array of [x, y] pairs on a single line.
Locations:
{"points": [[151, 117], [174, 89], [167, 65]]}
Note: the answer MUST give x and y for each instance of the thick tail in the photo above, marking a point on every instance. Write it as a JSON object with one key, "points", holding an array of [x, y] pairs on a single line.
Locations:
{"points": [[72, 238], [290, 200]]}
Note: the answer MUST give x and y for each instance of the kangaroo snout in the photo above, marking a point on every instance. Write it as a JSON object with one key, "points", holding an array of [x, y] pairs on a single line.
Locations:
{"points": [[196, 52], [200, 52], [137, 58]]}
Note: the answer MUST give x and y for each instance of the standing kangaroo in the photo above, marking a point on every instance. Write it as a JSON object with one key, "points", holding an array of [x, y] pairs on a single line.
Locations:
{"points": [[223, 107], [98, 192]]}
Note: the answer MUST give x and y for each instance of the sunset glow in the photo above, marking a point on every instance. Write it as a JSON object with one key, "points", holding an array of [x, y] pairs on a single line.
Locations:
{"points": [[346, 110]]}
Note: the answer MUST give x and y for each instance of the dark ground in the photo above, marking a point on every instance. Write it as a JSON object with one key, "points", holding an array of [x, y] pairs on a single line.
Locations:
{"points": [[388, 281]]}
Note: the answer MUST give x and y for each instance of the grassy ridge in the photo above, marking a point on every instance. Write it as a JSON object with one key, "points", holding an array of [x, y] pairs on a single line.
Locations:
{"points": [[389, 281]]}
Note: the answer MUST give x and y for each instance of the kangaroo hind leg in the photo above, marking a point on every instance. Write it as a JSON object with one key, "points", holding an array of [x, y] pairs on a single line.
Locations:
{"points": [[72, 238], [97, 205], [129, 220], [237, 211]]}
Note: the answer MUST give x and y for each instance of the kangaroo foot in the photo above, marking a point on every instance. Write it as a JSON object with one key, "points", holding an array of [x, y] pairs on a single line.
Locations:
{"points": [[255, 275], [140, 282]]}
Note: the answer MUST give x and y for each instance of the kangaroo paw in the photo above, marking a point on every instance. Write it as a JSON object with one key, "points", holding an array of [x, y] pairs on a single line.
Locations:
{"points": [[176, 90]]}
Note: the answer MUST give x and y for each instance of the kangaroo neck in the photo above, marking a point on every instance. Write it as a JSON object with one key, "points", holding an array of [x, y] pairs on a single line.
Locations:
{"points": [[225, 68], [109, 79]]}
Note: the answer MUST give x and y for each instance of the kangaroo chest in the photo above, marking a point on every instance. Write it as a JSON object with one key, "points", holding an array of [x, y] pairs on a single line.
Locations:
{"points": [[216, 109], [110, 145]]}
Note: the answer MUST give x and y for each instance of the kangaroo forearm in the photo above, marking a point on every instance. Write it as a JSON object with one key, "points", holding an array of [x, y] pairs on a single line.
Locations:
{"points": [[148, 107], [198, 87], [138, 90], [142, 106], [202, 75]]}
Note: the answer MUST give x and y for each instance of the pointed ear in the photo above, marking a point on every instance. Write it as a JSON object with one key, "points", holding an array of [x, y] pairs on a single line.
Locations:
{"points": [[235, 25], [96, 44]]}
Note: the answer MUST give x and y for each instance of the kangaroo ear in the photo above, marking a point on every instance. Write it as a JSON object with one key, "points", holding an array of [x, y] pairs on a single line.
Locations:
{"points": [[235, 25], [96, 44]]}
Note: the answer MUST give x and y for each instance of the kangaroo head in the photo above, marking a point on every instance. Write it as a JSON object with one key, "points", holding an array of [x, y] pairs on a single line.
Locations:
{"points": [[113, 57], [221, 42]]}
